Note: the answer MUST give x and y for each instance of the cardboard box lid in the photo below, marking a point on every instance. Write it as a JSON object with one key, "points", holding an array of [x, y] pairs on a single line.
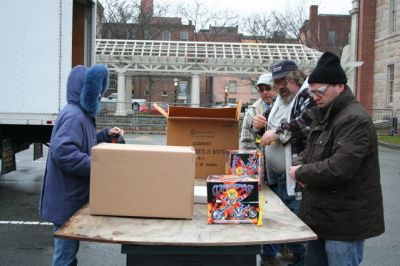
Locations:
{"points": [[202, 113], [145, 148]]}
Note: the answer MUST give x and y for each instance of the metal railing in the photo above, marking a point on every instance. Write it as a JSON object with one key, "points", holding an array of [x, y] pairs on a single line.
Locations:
{"points": [[145, 118], [136, 118], [132, 118], [385, 121]]}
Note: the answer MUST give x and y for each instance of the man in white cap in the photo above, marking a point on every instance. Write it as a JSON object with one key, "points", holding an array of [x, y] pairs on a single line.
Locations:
{"points": [[248, 136]]}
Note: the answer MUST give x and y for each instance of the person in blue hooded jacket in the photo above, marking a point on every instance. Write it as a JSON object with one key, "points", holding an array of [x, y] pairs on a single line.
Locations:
{"points": [[66, 180]]}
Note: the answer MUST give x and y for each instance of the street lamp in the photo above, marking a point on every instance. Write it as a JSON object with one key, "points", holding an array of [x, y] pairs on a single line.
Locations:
{"points": [[226, 90], [176, 89]]}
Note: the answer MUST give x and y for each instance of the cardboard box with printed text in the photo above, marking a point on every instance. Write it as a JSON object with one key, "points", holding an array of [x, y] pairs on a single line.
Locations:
{"points": [[211, 131], [142, 180]]}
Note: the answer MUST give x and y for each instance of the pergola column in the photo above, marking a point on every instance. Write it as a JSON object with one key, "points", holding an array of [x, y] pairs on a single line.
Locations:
{"points": [[354, 12], [128, 94], [195, 94], [121, 110]]}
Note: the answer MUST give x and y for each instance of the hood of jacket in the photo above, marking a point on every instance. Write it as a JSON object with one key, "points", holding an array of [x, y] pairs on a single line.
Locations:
{"points": [[75, 82], [86, 86]]}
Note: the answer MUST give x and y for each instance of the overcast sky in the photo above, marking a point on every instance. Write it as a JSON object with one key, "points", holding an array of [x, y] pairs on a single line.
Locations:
{"points": [[243, 7]]}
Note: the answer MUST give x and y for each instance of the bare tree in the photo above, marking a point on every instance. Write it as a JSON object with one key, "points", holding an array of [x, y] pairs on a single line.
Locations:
{"points": [[294, 21], [205, 17], [291, 19], [127, 20], [262, 28]]}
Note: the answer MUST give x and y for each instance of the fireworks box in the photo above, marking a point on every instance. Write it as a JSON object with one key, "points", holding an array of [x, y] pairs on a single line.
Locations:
{"points": [[232, 199], [142, 180], [241, 162], [211, 131]]}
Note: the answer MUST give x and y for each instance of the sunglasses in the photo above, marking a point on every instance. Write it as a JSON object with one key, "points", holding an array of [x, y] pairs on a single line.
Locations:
{"points": [[319, 92], [264, 88]]}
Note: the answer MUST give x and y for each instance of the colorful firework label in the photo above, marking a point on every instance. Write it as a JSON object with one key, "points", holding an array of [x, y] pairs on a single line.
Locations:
{"points": [[250, 162], [232, 199]]}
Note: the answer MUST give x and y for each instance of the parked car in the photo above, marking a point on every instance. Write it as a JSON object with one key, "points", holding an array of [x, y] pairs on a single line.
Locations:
{"points": [[144, 108], [136, 103], [113, 97]]}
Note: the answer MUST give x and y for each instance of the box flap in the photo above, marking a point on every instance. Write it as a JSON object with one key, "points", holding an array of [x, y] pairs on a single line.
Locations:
{"points": [[200, 112], [162, 111], [145, 148]]}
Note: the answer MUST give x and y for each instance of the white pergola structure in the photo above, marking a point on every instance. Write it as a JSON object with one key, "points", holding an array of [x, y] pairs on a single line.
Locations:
{"points": [[147, 57]]}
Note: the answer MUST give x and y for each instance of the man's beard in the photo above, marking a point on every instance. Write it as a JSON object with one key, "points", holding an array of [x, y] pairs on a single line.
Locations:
{"points": [[288, 98]]}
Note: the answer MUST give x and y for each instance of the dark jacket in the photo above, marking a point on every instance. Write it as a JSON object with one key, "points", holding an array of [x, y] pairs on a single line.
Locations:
{"points": [[342, 199], [66, 180]]}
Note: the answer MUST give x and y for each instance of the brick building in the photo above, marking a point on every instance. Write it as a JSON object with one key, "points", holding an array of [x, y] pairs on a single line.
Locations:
{"points": [[325, 32]]}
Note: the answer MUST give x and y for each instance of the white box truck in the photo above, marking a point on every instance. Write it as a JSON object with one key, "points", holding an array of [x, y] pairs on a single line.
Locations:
{"points": [[41, 41]]}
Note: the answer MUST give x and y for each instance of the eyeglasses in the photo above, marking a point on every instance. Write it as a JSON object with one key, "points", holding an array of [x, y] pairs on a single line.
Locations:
{"points": [[261, 88], [320, 91]]}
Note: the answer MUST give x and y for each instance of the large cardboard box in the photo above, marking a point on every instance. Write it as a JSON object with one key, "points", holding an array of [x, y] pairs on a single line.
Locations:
{"points": [[142, 180], [211, 131]]}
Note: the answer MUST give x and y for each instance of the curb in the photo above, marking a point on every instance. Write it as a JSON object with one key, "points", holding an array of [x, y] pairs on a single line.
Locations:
{"points": [[390, 146]]}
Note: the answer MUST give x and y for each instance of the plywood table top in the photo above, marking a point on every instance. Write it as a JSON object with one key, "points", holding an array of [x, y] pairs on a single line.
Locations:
{"points": [[280, 225]]}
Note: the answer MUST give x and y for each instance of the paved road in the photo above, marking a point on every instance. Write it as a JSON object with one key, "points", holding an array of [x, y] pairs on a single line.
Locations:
{"points": [[26, 239]]}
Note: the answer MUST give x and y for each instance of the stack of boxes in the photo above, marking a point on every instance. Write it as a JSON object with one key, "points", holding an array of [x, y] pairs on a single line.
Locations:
{"points": [[233, 198]]}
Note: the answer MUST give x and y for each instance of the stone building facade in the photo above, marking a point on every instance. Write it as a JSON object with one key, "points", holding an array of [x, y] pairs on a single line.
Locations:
{"points": [[386, 76]]}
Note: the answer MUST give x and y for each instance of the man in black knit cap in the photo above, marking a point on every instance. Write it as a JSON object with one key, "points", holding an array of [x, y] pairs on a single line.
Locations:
{"points": [[339, 170]]}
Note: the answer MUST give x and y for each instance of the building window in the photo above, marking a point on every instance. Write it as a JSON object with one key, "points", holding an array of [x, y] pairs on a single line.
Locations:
{"points": [[252, 101], [146, 93], [331, 37], [390, 83], [231, 100], [184, 36], [232, 86], [131, 35], [112, 84], [148, 35], [166, 36], [164, 93], [392, 16]]}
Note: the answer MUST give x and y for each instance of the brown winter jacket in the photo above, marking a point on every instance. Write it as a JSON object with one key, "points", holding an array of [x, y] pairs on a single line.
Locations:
{"points": [[340, 168]]}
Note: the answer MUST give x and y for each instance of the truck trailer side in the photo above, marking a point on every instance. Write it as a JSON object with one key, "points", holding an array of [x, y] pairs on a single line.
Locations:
{"points": [[42, 41]]}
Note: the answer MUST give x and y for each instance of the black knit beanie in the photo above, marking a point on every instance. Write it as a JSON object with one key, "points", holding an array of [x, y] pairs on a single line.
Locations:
{"points": [[328, 70]]}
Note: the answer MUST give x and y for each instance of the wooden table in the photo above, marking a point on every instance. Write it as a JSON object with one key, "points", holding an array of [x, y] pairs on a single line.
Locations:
{"points": [[194, 242]]}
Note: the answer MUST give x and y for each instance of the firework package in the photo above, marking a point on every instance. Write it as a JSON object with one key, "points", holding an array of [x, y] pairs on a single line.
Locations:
{"points": [[142, 180], [241, 162], [211, 131], [232, 199]]}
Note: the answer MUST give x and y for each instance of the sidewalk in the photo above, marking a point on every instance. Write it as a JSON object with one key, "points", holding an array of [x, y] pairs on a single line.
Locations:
{"points": [[389, 145]]}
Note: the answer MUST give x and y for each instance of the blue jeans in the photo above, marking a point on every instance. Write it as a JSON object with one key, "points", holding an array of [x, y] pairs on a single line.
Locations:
{"points": [[279, 189], [65, 251], [334, 253]]}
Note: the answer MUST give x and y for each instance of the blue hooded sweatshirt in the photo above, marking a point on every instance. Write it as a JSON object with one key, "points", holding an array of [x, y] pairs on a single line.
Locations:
{"points": [[66, 180]]}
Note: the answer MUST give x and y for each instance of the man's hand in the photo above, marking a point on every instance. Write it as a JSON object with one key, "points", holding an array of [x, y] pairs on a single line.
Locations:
{"points": [[116, 131], [292, 171], [259, 122], [268, 137]]}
